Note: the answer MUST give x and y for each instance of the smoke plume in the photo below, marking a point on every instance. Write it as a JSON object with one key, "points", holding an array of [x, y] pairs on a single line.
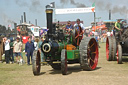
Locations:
{"points": [[33, 6], [77, 4], [6, 19], [104, 5]]}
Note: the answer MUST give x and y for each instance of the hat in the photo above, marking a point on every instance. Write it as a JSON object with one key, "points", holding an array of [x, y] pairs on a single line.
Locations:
{"points": [[18, 38], [78, 20]]}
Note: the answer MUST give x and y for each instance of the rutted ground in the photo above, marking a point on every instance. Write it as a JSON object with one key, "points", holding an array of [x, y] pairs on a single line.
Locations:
{"points": [[107, 73]]}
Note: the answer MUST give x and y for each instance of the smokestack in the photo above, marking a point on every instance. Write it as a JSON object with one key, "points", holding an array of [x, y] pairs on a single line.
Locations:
{"points": [[21, 19], [24, 17], [36, 22], [15, 25], [109, 14], [29, 22], [49, 22]]}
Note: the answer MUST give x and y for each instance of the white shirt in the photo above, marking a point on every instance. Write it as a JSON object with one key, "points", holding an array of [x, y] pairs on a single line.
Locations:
{"points": [[7, 46], [108, 33], [81, 25], [35, 45]]}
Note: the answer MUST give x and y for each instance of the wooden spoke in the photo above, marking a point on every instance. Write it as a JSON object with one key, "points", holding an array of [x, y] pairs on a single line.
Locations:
{"points": [[91, 45], [91, 60], [93, 53]]}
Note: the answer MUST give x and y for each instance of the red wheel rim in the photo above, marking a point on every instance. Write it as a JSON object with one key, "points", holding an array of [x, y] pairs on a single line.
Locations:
{"points": [[92, 54], [107, 49], [117, 55]]}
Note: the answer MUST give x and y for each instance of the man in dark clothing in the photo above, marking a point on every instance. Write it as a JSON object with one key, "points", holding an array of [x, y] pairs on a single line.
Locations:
{"points": [[29, 48], [11, 51]]}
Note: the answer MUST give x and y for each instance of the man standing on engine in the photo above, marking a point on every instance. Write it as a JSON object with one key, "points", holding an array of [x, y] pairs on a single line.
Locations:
{"points": [[118, 29], [79, 24]]}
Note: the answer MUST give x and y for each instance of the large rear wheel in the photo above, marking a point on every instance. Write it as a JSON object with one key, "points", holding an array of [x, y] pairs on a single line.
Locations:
{"points": [[88, 53], [109, 48], [114, 48], [64, 62], [36, 66]]}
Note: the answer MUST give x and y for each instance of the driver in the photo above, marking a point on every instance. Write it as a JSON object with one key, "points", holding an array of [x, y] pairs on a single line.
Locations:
{"points": [[69, 25], [118, 29], [77, 24]]}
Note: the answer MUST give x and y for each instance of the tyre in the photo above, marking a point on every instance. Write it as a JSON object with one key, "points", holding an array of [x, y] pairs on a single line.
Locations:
{"points": [[114, 48], [64, 62], [36, 66], [109, 48], [88, 53], [119, 54]]}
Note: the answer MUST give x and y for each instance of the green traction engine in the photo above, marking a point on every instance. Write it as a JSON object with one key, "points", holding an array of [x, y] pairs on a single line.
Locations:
{"points": [[62, 48]]}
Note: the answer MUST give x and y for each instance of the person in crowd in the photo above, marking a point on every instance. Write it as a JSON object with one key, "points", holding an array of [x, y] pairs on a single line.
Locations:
{"points": [[118, 29], [36, 43], [7, 49], [78, 24], [40, 43], [17, 49], [1, 48], [97, 37], [29, 48], [11, 51], [69, 26], [33, 37]]}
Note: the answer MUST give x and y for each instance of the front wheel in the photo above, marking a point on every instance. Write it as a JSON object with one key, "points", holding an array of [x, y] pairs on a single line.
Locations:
{"points": [[119, 54], [36, 66], [64, 62]]}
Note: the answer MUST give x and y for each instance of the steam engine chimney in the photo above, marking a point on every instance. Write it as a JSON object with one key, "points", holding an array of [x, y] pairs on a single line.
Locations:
{"points": [[109, 14], [36, 22], [49, 22], [15, 25], [21, 19], [24, 17]]}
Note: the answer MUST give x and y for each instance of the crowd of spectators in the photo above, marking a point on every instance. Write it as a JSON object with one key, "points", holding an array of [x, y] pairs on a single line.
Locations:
{"points": [[13, 50]]}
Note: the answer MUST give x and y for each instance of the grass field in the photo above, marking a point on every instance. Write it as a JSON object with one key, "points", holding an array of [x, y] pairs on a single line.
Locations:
{"points": [[107, 73]]}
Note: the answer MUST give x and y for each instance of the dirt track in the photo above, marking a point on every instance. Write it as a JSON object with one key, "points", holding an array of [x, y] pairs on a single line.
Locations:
{"points": [[107, 73]]}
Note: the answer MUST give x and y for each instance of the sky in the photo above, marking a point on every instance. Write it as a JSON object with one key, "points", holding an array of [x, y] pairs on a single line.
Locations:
{"points": [[11, 10]]}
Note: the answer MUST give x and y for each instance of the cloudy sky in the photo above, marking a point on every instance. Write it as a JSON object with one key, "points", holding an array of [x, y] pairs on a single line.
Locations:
{"points": [[11, 10]]}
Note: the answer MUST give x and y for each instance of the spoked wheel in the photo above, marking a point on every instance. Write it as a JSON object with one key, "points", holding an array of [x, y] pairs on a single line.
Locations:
{"points": [[109, 49], [119, 54], [88, 53], [64, 62], [36, 66], [77, 36]]}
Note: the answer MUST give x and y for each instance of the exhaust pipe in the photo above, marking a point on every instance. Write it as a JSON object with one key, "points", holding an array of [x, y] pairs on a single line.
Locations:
{"points": [[24, 17], [49, 22]]}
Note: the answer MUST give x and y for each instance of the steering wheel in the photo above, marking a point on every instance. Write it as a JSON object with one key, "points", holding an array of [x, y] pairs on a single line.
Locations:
{"points": [[78, 35]]}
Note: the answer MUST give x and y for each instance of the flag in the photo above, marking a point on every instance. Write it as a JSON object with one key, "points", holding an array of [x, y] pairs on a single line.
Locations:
{"points": [[52, 5], [9, 25], [93, 5]]}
